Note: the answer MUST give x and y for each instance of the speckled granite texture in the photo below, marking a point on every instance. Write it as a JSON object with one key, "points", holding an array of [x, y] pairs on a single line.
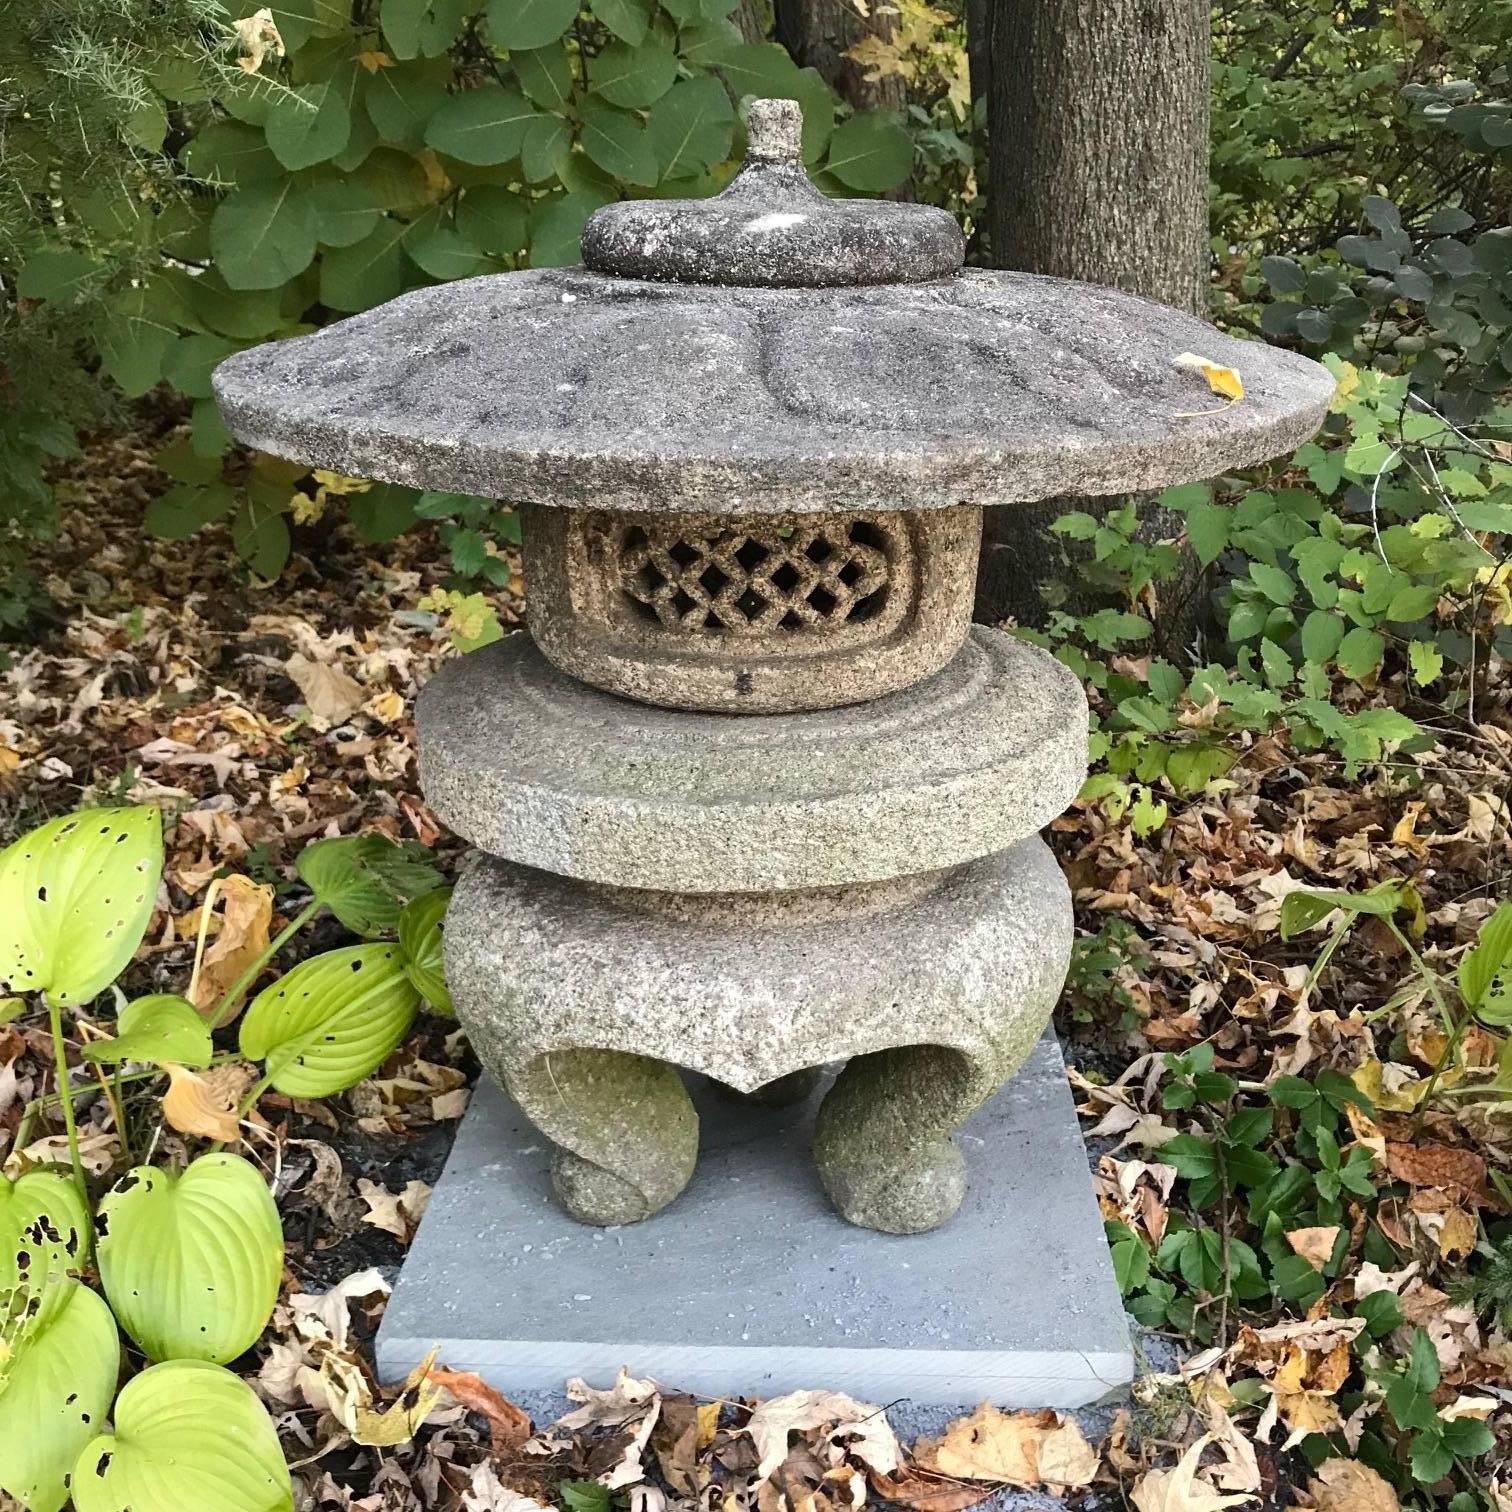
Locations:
{"points": [[536, 767], [566, 387]]}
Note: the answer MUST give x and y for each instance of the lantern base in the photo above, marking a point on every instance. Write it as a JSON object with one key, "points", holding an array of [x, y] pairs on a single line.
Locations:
{"points": [[751, 1285]]}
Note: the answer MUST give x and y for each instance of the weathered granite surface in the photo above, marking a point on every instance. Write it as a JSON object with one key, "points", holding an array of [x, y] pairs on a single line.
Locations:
{"points": [[772, 227], [534, 766], [567, 387], [580, 1000], [710, 612], [750, 1285]]}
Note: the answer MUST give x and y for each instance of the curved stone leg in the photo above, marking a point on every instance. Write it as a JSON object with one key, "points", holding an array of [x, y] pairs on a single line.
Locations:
{"points": [[626, 1133], [882, 1140]]}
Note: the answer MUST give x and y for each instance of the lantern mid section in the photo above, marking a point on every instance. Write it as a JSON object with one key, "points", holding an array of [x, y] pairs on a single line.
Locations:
{"points": [[752, 796]]}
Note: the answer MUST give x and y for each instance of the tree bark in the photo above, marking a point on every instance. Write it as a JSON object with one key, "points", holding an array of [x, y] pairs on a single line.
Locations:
{"points": [[1098, 123], [819, 33], [748, 17]]}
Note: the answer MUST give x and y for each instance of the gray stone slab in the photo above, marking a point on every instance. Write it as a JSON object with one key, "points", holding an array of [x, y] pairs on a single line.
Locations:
{"points": [[567, 387], [749, 1284], [531, 765]]}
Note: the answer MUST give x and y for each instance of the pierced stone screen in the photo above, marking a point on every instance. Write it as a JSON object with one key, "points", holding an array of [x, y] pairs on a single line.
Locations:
{"points": [[810, 578], [751, 613]]}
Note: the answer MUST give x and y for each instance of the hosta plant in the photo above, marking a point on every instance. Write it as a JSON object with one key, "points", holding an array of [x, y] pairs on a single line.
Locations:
{"points": [[190, 1260]]}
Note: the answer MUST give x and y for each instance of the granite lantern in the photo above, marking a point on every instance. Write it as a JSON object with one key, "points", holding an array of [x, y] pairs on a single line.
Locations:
{"points": [[752, 796]]}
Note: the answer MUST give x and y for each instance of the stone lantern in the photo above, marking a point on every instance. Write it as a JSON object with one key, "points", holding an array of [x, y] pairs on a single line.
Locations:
{"points": [[753, 796]]}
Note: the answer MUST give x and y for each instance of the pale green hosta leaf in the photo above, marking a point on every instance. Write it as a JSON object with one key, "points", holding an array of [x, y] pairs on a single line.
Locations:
{"points": [[191, 1262], [58, 1368], [365, 880], [44, 1228], [75, 897], [187, 1435], [420, 940], [332, 1020], [159, 1028]]}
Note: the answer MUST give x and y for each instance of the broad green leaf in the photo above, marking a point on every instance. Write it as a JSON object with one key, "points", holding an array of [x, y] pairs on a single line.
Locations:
{"points": [[44, 1229], [345, 211], [1427, 662], [136, 338], [1275, 583], [634, 76], [403, 22], [556, 228], [192, 359], [545, 74], [629, 20], [187, 508], [420, 927], [1360, 653], [365, 880], [187, 1435], [368, 272], [75, 897], [1321, 633], [1302, 909], [871, 152], [529, 23], [547, 150], [691, 127], [260, 533], [381, 512], [263, 235], [230, 153], [331, 1021], [482, 126], [55, 273], [58, 1369], [401, 101], [439, 248], [160, 1028], [311, 124], [191, 1262], [1488, 957], [1207, 527], [494, 219], [617, 143]]}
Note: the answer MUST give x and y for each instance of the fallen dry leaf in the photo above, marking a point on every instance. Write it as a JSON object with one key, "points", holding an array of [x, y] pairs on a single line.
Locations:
{"points": [[486, 1493], [508, 1425], [1348, 1486], [330, 695], [927, 1491], [246, 916], [1016, 1449], [1315, 1245], [195, 1104], [864, 1427], [349, 1398], [1461, 1172], [1184, 1488], [396, 1213], [1224, 381]]}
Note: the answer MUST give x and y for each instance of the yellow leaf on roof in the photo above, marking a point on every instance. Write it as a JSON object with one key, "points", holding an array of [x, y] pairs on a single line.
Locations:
{"points": [[1224, 381]]}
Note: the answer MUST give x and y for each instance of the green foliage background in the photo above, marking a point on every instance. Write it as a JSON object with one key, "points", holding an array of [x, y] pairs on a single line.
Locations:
{"points": [[164, 203]]}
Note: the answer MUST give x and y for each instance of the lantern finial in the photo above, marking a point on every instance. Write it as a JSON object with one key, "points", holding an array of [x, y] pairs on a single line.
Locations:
{"points": [[774, 132]]}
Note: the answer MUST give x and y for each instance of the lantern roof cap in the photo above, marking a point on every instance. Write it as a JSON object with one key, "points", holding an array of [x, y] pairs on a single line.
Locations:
{"points": [[707, 370]]}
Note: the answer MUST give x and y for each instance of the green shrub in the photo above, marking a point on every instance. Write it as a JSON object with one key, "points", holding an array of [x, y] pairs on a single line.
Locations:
{"points": [[188, 183]]}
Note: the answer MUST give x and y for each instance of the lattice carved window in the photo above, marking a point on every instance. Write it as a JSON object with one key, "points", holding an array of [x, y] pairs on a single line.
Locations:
{"points": [[755, 579]]}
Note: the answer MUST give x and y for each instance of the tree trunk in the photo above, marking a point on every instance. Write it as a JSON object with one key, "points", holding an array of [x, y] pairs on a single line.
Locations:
{"points": [[1098, 125], [819, 33], [748, 17]]}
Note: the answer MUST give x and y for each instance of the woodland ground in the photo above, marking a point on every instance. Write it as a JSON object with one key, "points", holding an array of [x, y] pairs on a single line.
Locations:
{"points": [[261, 717]]}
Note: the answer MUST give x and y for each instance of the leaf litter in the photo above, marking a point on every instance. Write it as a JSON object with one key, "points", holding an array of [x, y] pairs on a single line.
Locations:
{"points": [[263, 718]]}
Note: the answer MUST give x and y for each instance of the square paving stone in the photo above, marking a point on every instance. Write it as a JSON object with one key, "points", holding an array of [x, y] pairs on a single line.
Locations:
{"points": [[750, 1285]]}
